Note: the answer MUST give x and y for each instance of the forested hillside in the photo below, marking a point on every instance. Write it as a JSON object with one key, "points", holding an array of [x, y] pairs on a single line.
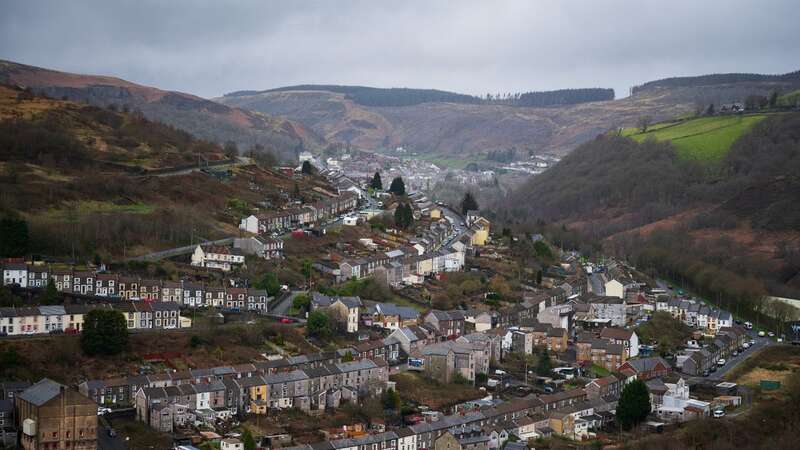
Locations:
{"points": [[718, 78], [370, 96], [731, 229], [563, 97]]}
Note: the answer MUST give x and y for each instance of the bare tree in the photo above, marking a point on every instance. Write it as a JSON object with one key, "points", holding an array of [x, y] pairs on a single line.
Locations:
{"points": [[643, 122]]}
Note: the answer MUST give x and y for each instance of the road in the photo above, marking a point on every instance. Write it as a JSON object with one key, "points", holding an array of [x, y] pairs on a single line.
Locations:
{"points": [[282, 304], [169, 253], [596, 281], [106, 442], [733, 362]]}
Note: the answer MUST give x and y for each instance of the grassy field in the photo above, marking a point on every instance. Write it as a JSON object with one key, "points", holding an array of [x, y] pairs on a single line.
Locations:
{"points": [[416, 388], [771, 363], [85, 207], [705, 139]]}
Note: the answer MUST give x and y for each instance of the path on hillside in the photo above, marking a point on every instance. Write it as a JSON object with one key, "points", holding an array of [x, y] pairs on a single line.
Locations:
{"points": [[185, 250]]}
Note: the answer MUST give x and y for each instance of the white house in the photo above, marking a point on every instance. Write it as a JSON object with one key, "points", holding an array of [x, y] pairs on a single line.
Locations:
{"points": [[615, 289], [677, 406], [249, 224], [217, 257], [231, 444], [15, 274]]}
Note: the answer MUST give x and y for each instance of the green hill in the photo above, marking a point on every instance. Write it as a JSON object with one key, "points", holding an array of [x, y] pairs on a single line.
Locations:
{"points": [[704, 139]]}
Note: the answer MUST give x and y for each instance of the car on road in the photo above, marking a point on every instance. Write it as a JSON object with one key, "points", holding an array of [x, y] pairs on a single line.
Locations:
{"points": [[752, 342], [102, 410], [761, 334], [721, 362], [771, 334], [746, 345], [706, 373], [719, 413], [735, 353]]}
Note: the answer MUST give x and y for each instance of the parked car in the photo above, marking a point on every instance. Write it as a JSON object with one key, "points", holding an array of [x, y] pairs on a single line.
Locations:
{"points": [[706, 373], [771, 334], [761, 334], [721, 362], [101, 410], [286, 320], [112, 433], [719, 413]]}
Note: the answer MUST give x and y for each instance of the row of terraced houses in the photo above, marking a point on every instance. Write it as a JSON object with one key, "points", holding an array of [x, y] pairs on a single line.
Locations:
{"points": [[115, 286]]}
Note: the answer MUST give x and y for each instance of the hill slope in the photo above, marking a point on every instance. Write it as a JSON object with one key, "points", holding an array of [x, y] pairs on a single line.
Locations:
{"points": [[703, 138], [738, 213], [203, 118], [73, 172], [453, 127]]}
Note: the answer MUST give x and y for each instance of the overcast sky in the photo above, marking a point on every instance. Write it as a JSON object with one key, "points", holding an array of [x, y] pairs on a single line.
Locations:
{"points": [[212, 47]]}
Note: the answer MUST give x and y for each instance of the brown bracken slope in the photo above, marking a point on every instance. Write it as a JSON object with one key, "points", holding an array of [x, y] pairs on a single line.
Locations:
{"points": [[464, 129], [203, 118]]}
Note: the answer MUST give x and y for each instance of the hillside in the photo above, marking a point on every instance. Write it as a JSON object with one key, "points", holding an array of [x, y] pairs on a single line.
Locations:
{"points": [[703, 138], [448, 125], [200, 117], [736, 214], [73, 172]]}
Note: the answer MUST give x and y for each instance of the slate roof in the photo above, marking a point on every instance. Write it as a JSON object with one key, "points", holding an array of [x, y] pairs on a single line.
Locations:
{"points": [[42, 392], [616, 333]]}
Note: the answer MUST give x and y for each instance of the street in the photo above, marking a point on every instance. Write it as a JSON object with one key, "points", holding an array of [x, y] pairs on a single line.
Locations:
{"points": [[106, 442], [597, 286], [734, 361]]}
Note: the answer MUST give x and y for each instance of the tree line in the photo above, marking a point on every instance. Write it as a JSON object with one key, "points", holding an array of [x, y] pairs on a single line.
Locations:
{"points": [[718, 78], [370, 96]]}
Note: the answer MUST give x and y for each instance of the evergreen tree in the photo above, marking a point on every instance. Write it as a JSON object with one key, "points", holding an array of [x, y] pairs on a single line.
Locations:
{"points": [[403, 215], [50, 295], [248, 440], [773, 99], [376, 183], [634, 404], [468, 203], [398, 186], [544, 365], [14, 240], [105, 332], [268, 282], [391, 400], [318, 325]]}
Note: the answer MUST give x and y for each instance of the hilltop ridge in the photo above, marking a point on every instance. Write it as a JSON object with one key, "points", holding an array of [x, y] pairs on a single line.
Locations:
{"points": [[202, 118]]}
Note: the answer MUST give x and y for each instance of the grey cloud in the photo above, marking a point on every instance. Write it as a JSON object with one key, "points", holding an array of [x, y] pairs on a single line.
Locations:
{"points": [[212, 47]]}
